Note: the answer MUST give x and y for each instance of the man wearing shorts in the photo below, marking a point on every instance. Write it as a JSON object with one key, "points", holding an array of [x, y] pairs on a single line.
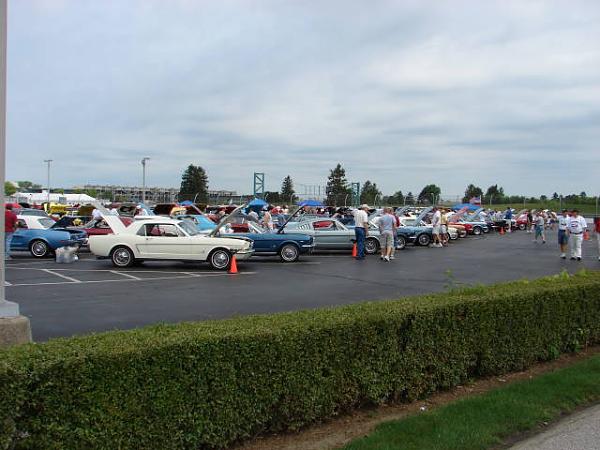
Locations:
{"points": [[387, 229], [436, 221], [563, 233]]}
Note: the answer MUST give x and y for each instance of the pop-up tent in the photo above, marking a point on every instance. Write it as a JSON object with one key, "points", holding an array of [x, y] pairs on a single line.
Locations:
{"points": [[311, 203]]}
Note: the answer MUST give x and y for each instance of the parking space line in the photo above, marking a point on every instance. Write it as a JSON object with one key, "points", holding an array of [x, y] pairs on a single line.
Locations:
{"points": [[6, 283], [120, 280], [72, 280], [125, 275]]}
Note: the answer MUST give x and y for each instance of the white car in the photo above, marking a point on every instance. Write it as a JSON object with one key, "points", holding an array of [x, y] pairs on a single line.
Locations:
{"points": [[163, 238]]}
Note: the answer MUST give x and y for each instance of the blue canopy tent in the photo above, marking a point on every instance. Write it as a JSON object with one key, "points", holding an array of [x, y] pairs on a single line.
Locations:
{"points": [[311, 203], [186, 203], [257, 204], [469, 206]]}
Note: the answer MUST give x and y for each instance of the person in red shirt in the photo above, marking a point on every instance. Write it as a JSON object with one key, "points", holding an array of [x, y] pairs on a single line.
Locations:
{"points": [[597, 230], [10, 225]]}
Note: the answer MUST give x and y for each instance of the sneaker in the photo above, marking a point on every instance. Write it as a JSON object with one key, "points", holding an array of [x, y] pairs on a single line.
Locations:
{"points": [[578, 258], [393, 257], [386, 258], [563, 256], [572, 258], [543, 242], [382, 257]]}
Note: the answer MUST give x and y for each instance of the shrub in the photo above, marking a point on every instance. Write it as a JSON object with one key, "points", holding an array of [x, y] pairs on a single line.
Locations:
{"points": [[210, 384]]}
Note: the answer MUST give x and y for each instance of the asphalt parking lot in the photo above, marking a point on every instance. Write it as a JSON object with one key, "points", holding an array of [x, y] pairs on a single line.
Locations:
{"points": [[91, 295]]}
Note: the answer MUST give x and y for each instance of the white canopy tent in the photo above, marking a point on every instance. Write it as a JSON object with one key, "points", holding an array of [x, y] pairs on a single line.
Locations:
{"points": [[41, 197]]}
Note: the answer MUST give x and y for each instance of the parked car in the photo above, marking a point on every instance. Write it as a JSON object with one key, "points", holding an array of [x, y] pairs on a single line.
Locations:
{"points": [[163, 238], [41, 242], [331, 234], [413, 233], [289, 246]]}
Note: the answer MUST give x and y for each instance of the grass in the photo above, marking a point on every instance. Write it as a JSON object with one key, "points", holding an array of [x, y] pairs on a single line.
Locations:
{"points": [[486, 420]]}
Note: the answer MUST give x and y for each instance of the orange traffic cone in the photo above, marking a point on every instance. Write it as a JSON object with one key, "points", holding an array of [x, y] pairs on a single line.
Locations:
{"points": [[233, 265], [354, 250], [501, 230]]}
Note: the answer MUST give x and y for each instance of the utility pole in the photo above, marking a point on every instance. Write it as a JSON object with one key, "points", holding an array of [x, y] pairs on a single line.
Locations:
{"points": [[14, 328], [144, 178], [48, 161]]}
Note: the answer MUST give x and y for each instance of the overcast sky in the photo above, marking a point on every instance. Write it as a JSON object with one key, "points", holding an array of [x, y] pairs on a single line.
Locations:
{"points": [[403, 93]]}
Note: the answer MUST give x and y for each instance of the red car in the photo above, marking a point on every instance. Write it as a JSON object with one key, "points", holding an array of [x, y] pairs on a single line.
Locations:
{"points": [[97, 227]]}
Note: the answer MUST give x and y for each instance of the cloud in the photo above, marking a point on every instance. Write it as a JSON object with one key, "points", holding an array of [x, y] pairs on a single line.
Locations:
{"points": [[401, 93]]}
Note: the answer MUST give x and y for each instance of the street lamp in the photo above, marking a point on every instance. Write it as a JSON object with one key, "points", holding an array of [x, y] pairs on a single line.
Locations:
{"points": [[48, 161], [144, 178]]}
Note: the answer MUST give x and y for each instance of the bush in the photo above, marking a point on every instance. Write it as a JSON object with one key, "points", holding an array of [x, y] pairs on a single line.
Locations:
{"points": [[209, 384]]}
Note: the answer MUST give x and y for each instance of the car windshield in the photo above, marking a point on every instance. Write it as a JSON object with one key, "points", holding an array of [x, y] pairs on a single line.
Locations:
{"points": [[46, 222], [252, 228], [189, 227], [409, 222]]}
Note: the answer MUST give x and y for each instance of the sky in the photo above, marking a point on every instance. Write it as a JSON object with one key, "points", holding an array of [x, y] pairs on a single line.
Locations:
{"points": [[402, 93]]}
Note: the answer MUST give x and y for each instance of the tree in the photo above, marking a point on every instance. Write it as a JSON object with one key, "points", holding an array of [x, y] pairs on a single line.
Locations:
{"points": [[28, 186], [494, 193], [272, 197], [410, 198], [583, 194], [337, 186], [194, 184], [472, 191], [396, 199], [91, 192], [9, 188], [429, 194], [369, 193], [288, 194], [555, 196], [543, 198]]}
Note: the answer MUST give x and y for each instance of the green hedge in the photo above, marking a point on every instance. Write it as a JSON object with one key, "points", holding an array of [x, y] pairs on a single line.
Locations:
{"points": [[210, 384]]}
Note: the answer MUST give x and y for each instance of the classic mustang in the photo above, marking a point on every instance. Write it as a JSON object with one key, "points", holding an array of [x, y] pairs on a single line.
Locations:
{"points": [[163, 238], [289, 247], [331, 234], [41, 242]]}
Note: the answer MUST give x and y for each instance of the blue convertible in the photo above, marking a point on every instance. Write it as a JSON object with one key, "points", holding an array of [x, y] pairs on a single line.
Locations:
{"points": [[289, 247], [41, 242]]}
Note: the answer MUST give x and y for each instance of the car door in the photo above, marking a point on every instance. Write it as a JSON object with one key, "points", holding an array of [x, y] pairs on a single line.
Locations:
{"points": [[163, 241], [332, 235]]}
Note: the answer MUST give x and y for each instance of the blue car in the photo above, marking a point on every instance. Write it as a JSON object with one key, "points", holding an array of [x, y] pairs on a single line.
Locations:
{"points": [[43, 242], [202, 222], [289, 247]]}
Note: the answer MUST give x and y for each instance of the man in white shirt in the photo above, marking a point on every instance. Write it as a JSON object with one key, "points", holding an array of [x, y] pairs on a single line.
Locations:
{"points": [[577, 226], [563, 233], [436, 222], [361, 229]]}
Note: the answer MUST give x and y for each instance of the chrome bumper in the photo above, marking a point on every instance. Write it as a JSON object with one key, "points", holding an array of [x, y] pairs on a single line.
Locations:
{"points": [[242, 255]]}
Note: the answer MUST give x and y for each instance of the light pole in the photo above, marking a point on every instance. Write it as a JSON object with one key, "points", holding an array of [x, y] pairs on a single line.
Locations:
{"points": [[144, 178], [14, 328], [48, 161]]}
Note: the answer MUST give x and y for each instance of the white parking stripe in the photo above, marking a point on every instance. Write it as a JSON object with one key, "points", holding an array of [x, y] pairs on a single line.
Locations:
{"points": [[125, 275], [72, 280], [6, 283], [121, 280]]}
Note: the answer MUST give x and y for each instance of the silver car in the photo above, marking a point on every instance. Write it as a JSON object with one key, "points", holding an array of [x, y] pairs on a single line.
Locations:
{"points": [[330, 234]]}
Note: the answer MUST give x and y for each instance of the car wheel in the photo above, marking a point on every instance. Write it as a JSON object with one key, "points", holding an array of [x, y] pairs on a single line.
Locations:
{"points": [[522, 226], [122, 257], [220, 259], [486, 229], [400, 243], [424, 239], [39, 249], [476, 231], [289, 253], [453, 237], [371, 246]]}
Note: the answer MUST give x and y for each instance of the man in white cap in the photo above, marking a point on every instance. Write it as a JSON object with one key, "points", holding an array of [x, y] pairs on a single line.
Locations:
{"points": [[361, 229], [577, 227]]}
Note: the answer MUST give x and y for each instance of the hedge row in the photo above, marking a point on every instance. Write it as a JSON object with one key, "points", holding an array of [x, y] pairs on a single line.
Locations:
{"points": [[210, 384]]}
